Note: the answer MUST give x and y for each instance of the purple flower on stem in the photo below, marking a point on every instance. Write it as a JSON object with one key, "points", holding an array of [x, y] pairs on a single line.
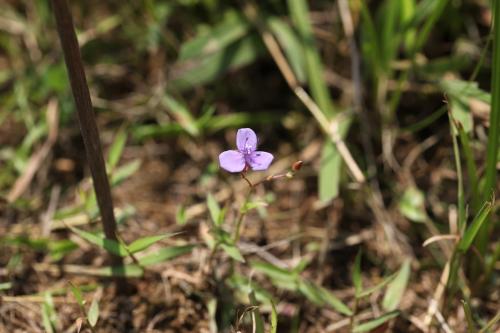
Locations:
{"points": [[246, 155]]}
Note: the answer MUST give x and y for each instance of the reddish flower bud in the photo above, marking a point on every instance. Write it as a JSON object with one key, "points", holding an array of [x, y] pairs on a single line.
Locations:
{"points": [[297, 165]]}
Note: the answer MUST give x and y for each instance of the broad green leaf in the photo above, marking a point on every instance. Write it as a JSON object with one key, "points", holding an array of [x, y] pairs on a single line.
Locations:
{"points": [[231, 29], [125, 171], [181, 114], [165, 254], [461, 113], [474, 227], [109, 245], [93, 314], [213, 208], [274, 318], [273, 272], [232, 251], [463, 90], [412, 205], [329, 173], [116, 149], [461, 94], [374, 323], [397, 287], [356, 275], [189, 74], [145, 242]]}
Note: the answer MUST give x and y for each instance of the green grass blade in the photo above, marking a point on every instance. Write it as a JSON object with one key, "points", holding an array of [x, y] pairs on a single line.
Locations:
{"points": [[165, 254], [145, 242], [468, 316], [75, 290], [356, 275], [471, 166], [274, 318], [385, 281], [213, 208], [472, 231], [491, 323], [299, 13], [232, 251], [273, 272], [329, 172], [116, 149], [291, 46], [309, 290], [181, 114], [120, 271], [125, 171], [48, 313], [259, 322], [460, 185], [390, 36], [109, 245], [494, 130], [372, 324], [397, 287], [330, 299], [93, 314]]}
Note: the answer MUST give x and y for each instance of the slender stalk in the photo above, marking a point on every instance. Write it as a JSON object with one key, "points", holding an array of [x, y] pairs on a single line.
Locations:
{"points": [[86, 117], [493, 134], [241, 216]]}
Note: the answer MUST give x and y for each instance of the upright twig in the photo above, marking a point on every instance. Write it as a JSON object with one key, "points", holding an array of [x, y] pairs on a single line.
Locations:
{"points": [[86, 117]]}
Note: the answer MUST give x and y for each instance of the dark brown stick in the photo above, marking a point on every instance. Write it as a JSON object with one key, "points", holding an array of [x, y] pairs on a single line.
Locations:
{"points": [[86, 117]]}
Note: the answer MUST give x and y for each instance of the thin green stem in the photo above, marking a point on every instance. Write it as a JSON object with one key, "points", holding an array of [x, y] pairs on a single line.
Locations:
{"points": [[241, 216], [493, 134], [352, 322], [458, 165]]}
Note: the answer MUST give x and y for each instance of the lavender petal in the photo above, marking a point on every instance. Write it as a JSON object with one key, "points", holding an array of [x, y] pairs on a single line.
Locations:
{"points": [[232, 161], [259, 160], [246, 140]]}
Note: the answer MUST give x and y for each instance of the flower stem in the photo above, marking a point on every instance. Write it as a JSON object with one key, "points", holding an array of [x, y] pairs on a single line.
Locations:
{"points": [[243, 213]]}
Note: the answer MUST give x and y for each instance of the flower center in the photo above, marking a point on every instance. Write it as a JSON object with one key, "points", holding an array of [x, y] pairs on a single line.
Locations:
{"points": [[248, 149]]}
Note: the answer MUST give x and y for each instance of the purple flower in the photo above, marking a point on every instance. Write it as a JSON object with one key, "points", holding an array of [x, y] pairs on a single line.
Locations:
{"points": [[246, 155]]}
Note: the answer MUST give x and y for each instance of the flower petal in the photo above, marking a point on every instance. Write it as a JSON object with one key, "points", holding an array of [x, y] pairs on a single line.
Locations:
{"points": [[232, 161], [246, 140], [259, 160]]}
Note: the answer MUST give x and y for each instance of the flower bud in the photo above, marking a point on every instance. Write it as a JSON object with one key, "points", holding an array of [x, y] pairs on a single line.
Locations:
{"points": [[297, 165]]}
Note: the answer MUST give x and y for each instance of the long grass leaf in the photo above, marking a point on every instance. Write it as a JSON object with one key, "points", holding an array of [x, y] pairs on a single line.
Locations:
{"points": [[374, 323], [299, 12]]}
